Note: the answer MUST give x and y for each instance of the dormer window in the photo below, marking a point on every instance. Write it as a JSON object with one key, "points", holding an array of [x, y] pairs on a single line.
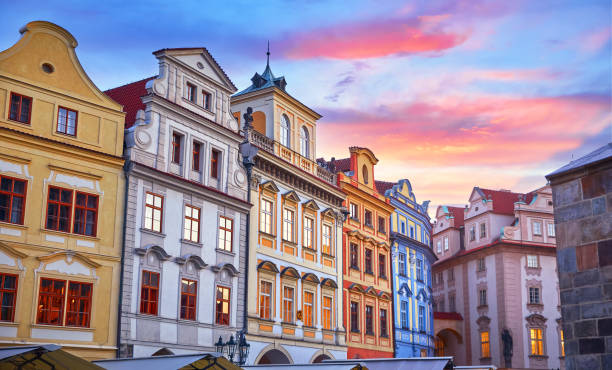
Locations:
{"points": [[284, 130], [364, 173], [192, 93]]}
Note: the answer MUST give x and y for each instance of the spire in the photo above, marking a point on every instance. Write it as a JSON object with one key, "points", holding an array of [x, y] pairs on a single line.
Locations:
{"points": [[268, 56]]}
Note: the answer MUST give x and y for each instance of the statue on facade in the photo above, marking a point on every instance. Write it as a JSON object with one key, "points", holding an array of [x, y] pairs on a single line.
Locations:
{"points": [[248, 119], [507, 341]]}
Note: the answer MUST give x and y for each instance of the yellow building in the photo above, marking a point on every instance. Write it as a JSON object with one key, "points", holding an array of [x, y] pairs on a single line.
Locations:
{"points": [[61, 198]]}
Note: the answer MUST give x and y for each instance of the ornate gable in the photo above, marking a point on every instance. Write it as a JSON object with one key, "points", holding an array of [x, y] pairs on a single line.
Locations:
{"points": [[312, 205], [269, 186]]}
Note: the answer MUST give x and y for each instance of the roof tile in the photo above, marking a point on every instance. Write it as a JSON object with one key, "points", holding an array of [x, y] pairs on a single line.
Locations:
{"points": [[129, 96]]}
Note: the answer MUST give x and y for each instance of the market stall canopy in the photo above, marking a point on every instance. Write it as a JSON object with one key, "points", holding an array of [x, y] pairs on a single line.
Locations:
{"points": [[416, 363], [349, 365], [212, 361], [49, 356]]}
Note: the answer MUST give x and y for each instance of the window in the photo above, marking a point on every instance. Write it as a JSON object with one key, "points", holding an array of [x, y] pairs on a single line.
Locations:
{"points": [[265, 216], [419, 269], [214, 164], [440, 278], [288, 225], [562, 339], [354, 256], [483, 230], [12, 200], [439, 244], [355, 317], [189, 294], [404, 314], [21, 108], [446, 243], [534, 295], [66, 121], [226, 231], [536, 342], [412, 232], [482, 297], [85, 214], [364, 174], [51, 302], [195, 161], [368, 261], [451, 303], [383, 323], [484, 344], [207, 100], [191, 93], [149, 292], [354, 211], [304, 142], [288, 296], [369, 316], [265, 300], [532, 261], [403, 228], [551, 230], [422, 318], [451, 274], [382, 266], [441, 306], [402, 264], [327, 312], [223, 305], [481, 264], [308, 308], [8, 296], [381, 225], [284, 131], [153, 212], [472, 234], [59, 208], [176, 148], [308, 232], [191, 230], [537, 228], [327, 236], [368, 218]]}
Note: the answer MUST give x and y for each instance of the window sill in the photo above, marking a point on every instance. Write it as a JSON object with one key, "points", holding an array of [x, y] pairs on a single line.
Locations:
{"points": [[369, 273], [538, 357], [268, 235], [10, 224], [72, 235], [369, 334], [355, 331], [289, 242], [189, 242], [384, 277], [535, 306], [21, 123], [482, 306], [485, 359], [354, 268], [151, 232], [384, 336], [223, 251], [62, 327], [9, 323], [327, 255], [309, 249]]}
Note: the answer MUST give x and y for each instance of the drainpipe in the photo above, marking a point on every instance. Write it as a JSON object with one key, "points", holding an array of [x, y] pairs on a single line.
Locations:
{"points": [[127, 166]]}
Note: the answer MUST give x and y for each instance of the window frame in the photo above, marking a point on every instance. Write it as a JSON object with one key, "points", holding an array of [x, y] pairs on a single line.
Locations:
{"points": [[152, 306], [550, 230], [439, 246], [12, 291], [404, 314], [153, 209], [191, 220], [326, 237], [176, 144], [537, 231], [354, 316], [223, 318], [288, 225], [308, 309], [215, 155], [368, 257], [540, 349], [327, 312], [288, 304], [85, 209], [196, 154], [80, 299], [533, 258], [422, 326], [533, 295], [384, 323], [382, 266], [192, 93], [62, 310], [188, 311], [76, 121], [382, 225], [207, 100], [354, 256], [11, 194], [419, 269], [263, 296], [308, 233], [267, 218], [446, 243], [59, 204], [224, 230], [472, 233], [481, 264], [485, 344], [354, 211], [367, 221], [369, 320], [21, 96], [401, 263], [482, 297], [285, 131], [483, 230]]}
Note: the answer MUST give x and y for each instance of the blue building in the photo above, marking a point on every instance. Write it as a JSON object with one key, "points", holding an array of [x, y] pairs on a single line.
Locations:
{"points": [[412, 257]]}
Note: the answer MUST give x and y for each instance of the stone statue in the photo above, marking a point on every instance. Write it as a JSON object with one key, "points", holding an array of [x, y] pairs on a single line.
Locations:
{"points": [[248, 118], [507, 340]]}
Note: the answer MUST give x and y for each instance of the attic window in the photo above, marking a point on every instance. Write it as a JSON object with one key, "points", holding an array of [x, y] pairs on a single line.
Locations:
{"points": [[47, 68], [200, 65], [364, 171]]}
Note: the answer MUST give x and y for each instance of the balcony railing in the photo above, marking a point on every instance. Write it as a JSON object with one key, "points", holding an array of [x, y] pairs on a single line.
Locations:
{"points": [[290, 156]]}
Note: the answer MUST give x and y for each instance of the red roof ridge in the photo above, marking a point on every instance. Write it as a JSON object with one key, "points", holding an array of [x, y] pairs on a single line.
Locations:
{"points": [[129, 96], [129, 83]]}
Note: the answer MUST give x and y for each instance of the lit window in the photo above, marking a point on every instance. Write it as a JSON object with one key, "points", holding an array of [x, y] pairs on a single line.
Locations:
{"points": [[308, 308], [368, 261], [288, 225], [85, 214], [149, 292], [551, 230], [532, 261], [284, 131], [368, 218], [327, 238], [355, 317], [354, 256], [265, 216], [382, 266], [12, 200], [176, 148], [484, 344], [189, 295], [195, 162], [308, 232], [482, 297], [534, 295], [537, 228], [214, 164], [327, 312], [402, 264], [446, 243], [191, 231], [354, 209], [21, 108], [288, 297], [226, 230], [265, 298], [562, 338], [536, 342], [369, 314], [223, 306], [383, 323], [59, 208], [191, 93], [52, 300], [78, 311], [153, 212], [404, 314], [8, 296], [207, 100]]}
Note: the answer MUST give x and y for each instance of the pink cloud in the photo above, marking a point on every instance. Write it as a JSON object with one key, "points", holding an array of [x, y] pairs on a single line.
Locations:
{"points": [[595, 40]]}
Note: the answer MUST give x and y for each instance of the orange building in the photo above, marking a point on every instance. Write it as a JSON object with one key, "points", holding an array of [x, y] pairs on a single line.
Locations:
{"points": [[367, 291]]}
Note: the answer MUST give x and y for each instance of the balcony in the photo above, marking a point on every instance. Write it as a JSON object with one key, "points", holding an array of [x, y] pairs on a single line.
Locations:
{"points": [[288, 155]]}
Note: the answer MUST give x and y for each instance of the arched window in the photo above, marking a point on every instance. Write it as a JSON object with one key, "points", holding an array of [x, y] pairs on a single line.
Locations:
{"points": [[364, 172], [284, 130], [304, 142]]}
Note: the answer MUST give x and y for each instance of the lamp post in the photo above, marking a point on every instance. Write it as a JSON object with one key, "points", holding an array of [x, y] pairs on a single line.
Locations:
{"points": [[239, 348]]}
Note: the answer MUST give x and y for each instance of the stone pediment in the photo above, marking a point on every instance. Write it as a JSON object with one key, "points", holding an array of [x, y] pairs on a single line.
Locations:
{"points": [[312, 205], [68, 262]]}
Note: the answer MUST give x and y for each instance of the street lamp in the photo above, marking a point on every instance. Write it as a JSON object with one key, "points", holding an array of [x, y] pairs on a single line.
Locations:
{"points": [[229, 348], [219, 345]]}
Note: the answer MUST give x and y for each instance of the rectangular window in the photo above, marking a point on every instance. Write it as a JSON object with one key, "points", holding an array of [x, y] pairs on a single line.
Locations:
{"points": [[419, 269], [8, 296], [327, 312], [441, 306], [308, 232], [472, 233], [354, 256], [12, 200], [154, 205], [149, 292], [403, 228], [355, 317], [51, 302], [288, 297], [191, 230], [265, 216], [369, 316], [537, 228], [78, 311], [481, 264], [551, 230], [382, 225], [368, 261], [534, 295], [288, 225], [176, 148], [439, 245], [195, 159], [562, 343], [207, 100], [402, 264], [484, 344], [382, 266], [189, 298], [482, 297], [536, 342], [265, 300], [192, 93], [368, 218], [214, 164], [483, 230], [66, 121], [451, 274], [446, 243], [532, 261], [223, 305], [451, 303], [383, 323], [404, 314], [59, 208], [354, 209], [21, 108], [422, 318], [412, 232], [327, 238], [226, 232], [85, 214], [440, 278], [308, 309]]}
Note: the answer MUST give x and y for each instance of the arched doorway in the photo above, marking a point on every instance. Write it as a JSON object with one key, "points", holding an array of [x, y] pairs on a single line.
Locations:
{"points": [[320, 359], [274, 356], [439, 350], [451, 343]]}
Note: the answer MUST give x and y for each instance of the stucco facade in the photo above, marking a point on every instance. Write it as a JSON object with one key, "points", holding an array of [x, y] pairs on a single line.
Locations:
{"points": [[184, 271], [61, 198]]}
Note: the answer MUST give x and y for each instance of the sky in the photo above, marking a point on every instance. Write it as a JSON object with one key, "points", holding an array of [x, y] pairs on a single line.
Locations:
{"points": [[448, 94]]}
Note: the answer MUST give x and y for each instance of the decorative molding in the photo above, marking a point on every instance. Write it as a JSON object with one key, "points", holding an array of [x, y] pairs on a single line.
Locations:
{"points": [[196, 260], [74, 172], [483, 323], [233, 271], [269, 186], [19, 160], [159, 251], [310, 277], [292, 196], [311, 204], [267, 266], [536, 320], [329, 283], [290, 272]]}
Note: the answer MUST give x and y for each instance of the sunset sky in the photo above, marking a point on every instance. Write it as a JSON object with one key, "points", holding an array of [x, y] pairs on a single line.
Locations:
{"points": [[449, 94]]}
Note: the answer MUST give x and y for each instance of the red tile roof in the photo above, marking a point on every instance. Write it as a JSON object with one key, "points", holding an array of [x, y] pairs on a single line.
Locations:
{"points": [[447, 316], [129, 96], [342, 165], [382, 186], [457, 213], [503, 201]]}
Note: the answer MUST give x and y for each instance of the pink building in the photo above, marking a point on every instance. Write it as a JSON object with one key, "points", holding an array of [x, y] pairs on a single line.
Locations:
{"points": [[495, 286]]}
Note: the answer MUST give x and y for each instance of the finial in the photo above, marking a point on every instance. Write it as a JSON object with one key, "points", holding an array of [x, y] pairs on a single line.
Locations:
{"points": [[268, 55]]}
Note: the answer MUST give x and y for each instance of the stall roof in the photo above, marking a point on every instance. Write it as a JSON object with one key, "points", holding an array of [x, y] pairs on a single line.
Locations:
{"points": [[349, 365], [189, 361], [42, 357], [416, 363]]}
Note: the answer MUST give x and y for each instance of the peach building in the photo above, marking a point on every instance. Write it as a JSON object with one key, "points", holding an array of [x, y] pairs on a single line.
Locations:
{"points": [[495, 285]]}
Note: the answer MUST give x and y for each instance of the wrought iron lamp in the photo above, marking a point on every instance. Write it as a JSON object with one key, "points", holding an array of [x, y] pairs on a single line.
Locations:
{"points": [[231, 348]]}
